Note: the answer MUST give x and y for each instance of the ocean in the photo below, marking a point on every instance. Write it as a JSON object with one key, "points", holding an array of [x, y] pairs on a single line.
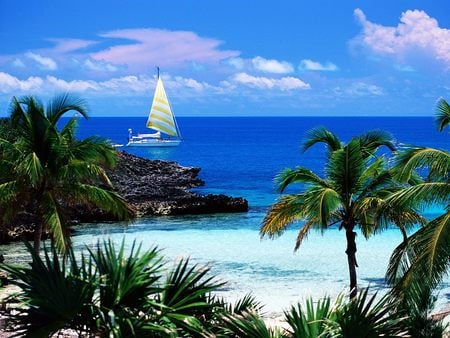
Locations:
{"points": [[239, 156]]}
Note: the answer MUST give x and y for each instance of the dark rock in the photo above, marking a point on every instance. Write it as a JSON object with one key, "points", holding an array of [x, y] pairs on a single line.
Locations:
{"points": [[156, 187]]}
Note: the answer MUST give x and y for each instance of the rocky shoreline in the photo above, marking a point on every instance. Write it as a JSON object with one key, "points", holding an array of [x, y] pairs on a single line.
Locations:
{"points": [[152, 187], [157, 187]]}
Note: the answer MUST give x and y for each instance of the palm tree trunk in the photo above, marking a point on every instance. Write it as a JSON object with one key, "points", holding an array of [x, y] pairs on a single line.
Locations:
{"points": [[37, 238], [352, 264]]}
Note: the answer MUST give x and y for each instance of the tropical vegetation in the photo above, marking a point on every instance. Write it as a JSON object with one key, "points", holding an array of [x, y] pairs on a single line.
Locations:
{"points": [[107, 292], [355, 183], [418, 264], [442, 114], [44, 169]]}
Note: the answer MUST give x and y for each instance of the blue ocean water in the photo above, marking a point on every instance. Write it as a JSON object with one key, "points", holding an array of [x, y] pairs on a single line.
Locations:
{"points": [[240, 156]]}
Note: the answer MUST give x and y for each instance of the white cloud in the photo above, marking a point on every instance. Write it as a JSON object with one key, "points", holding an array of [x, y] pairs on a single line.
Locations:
{"points": [[18, 63], [11, 84], [416, 32], [99, 66], [67, 86], [359, 89], [285, 83], [120, 86], [127, 84], [187, 83], [70, 45], [147, 47], [43, 62], [272, 66], [307, 64], [237, 63]]}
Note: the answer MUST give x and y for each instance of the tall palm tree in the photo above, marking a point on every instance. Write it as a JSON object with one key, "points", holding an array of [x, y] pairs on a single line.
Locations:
{"points": [[47, 169], [355, 183], [442, 114]]}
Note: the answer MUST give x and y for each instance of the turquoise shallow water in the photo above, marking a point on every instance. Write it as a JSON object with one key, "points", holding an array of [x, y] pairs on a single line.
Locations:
{"points": [[240, 157]]}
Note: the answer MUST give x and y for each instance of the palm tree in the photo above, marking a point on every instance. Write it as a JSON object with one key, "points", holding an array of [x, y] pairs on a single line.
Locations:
{"points": [[355, 183], [46, 169], [442, 114], [425, 254]]}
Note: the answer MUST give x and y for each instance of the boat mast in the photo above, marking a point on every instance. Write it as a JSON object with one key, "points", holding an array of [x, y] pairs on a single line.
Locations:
{"points": [[171, 109]]}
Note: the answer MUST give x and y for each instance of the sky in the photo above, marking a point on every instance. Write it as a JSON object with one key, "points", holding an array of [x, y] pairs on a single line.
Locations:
{"points": [[230, 58]]}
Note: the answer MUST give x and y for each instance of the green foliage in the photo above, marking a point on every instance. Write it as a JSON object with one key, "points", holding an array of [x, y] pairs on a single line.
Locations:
{"points": [[112, 293], [249, 324], [442, 114], [44, 169], [425, 255], [312, 320], [123, 293], [55, 293], [418, 303], [7, 131], [362, 317], [355, 184], [126, 283], [419, 263]]}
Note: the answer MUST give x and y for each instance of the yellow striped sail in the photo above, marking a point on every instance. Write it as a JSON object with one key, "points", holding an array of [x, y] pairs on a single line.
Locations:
{"points": [[161, 116]]}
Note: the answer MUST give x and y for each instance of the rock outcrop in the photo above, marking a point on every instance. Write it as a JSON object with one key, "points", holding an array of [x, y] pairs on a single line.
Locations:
{"points": [[156, 187]]}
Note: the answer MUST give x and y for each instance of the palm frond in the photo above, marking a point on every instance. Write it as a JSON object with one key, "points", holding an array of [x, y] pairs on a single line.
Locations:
{"points": [[421, 194], [246, 304], [107, 200], [54, 293], [64, 103], [374, 139], [127, 280], [320, 204], [321, 135], [77, 170], [53, 220], [375, 178], [310, 320], [69, 129], [186, 288], [302, 234], [288, 209], [345, 169], [404, 218], [298, 175], [365, 317], [412, 158], [426, 256], [33, 168], [8, 191], [184, 297], [249, 324], [95, 149], [442, 114]]}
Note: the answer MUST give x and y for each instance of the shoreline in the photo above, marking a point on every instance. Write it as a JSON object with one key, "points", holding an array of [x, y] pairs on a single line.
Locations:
{"points": [[151, 187]]}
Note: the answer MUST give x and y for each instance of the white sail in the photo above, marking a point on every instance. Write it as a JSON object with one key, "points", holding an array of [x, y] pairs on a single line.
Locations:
{"points": [[161, 117]]}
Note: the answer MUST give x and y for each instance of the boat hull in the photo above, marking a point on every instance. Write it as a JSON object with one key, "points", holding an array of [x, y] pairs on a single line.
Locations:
{"points": [[154, 143]]}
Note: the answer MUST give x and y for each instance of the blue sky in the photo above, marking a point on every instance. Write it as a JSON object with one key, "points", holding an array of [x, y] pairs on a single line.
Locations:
{"points": [[230, 58]]}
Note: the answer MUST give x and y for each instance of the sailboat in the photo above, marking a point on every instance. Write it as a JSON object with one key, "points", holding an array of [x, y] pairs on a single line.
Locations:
{"points": [[161, 119]]}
